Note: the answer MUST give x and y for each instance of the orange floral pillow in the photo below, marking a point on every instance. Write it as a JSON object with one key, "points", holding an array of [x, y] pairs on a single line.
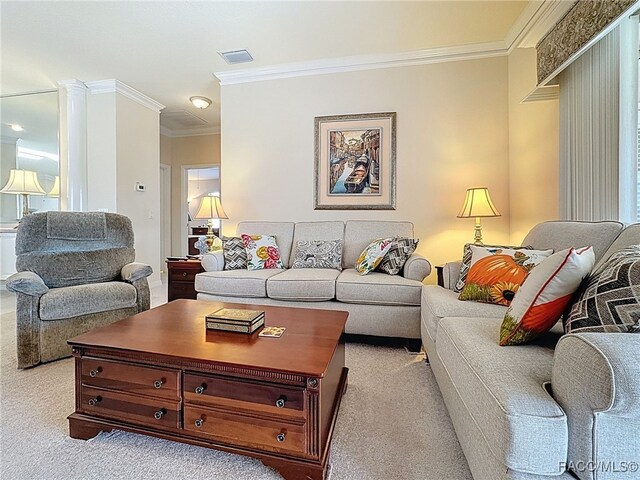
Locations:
{"points": [[496, 274]]}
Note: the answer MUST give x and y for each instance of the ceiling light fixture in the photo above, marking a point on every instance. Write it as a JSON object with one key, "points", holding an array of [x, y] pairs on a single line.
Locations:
{"points": [[200, 102], [16, 128]]}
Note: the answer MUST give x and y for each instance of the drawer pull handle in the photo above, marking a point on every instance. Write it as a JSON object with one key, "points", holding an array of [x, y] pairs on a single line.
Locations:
{"points": [[95, 372], [158, 415], [281, 401], [198, 423], [281, 437], [184, 274], [201, 388], [94, 401], [158, 383]]}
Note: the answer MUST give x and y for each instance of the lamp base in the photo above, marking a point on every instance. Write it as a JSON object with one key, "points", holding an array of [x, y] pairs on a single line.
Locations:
{"points": [[477, 237], [25, 204], [211, 238]]}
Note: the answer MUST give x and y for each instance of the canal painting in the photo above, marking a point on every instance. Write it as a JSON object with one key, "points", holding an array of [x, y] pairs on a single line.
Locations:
{"points": [[355, 162]]}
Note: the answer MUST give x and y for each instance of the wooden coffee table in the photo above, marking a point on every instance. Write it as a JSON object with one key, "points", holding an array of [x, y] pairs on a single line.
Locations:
{"points": [[161, 373]]}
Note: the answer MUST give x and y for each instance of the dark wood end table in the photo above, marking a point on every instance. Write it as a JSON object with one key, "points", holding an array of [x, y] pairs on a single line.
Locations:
{"points": [[181, 278]]}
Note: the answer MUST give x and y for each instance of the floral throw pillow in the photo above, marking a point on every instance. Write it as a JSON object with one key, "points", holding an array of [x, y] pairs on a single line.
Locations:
{"points": [[262, 252], [371, 256], [399, 252], [496, 274], [235, 256], [318, 254]]}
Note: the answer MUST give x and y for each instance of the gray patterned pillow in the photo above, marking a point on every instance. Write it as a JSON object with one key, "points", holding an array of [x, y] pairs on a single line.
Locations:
{"points": [[610, 298], [399, 252], [466, 262], [235, 255], [318, 254]]}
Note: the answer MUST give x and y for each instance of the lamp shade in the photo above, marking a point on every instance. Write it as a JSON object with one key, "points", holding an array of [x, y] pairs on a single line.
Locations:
{"points": [[55, 190], [478, 203], [23, 182], [210, 208]]}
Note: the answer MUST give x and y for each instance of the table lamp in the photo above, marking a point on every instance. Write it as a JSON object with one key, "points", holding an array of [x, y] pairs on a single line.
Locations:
{"points": [[211, 209], [25, 183], [478, 204], [55, 190]]}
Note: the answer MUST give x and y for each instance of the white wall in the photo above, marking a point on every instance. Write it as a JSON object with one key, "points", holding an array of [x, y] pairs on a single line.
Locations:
{"points": [[8, 203], [123, 147], [452, 134]]}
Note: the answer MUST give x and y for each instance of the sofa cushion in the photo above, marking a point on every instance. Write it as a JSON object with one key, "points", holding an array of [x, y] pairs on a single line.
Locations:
{"points": [[438, 302], [283, 231], [235, 283], [503, 390], [69, 302], [377, 288], [629, 236], [314, 231], [304, 284], [558, 235], [360, 233]]}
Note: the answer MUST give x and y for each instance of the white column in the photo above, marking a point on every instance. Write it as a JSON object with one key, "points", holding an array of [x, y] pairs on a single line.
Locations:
{"points": [[73, 145]]}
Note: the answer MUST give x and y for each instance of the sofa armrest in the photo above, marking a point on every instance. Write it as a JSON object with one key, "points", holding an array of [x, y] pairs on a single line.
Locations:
{"points": [[451, 274], [416, 268], [134, 271], [595, 380], [213, 261], [28, 283]]}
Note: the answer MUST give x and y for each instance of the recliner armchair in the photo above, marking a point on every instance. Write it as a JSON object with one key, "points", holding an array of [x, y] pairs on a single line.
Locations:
{"points": [[76, 272]]}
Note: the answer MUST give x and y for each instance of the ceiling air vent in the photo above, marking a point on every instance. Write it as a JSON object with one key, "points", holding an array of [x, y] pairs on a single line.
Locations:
{"points": [[236, 56]]}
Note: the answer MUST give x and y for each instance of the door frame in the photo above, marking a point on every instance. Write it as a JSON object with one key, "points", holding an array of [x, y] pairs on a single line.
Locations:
{"points": [[184, 190]]}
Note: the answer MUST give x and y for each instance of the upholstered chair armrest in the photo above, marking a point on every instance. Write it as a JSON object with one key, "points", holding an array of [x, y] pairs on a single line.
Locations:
{"points": [[213, 261], [416, 268], [132, 272], [451, 274], [27, 283], [595, 381]]}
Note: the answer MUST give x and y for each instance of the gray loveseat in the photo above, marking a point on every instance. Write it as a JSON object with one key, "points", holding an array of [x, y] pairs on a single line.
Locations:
{"points": [[76, 272], [378, 304], [535, 411]]}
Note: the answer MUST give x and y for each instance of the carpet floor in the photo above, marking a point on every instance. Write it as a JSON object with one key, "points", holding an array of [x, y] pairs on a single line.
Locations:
{"points": [[392, 424]]}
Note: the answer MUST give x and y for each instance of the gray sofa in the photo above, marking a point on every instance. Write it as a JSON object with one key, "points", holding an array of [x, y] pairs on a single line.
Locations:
{"points": [[536, 411], [378, 304], [76, 272]]}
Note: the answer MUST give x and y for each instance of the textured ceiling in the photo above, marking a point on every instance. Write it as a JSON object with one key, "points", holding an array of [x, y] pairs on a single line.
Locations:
{"points": [[168, 50]]}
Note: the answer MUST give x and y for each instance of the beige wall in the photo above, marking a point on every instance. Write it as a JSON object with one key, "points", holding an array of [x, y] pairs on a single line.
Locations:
{"points": [[452, 133], [180, 152], [533, 149], [122, 149]]}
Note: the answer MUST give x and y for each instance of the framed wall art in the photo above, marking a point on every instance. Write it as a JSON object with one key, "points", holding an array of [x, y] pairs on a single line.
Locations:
{"points": [[355, 162]]}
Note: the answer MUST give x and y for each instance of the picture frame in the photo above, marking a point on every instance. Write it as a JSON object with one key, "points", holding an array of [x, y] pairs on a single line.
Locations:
{"points": [[355, 162]]}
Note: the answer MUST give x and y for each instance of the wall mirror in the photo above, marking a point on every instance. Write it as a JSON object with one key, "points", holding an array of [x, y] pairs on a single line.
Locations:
{"points": [[29, 144]]}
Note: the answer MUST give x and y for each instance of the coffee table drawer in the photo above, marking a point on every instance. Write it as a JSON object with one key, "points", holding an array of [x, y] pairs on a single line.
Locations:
{"points": [[234, 393], [153, 412], [241, 430], [156, 382]]}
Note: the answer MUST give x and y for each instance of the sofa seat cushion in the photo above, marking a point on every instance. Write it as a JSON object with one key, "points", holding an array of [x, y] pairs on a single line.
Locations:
{"points": [[503, 390], [69, 302], [235, 283], [303, 284], [438, 302], [377, 288]]}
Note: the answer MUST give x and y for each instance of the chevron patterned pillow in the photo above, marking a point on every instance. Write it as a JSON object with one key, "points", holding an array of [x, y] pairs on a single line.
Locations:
{"points": [[399, 252], [235, 256], [610, 299]]}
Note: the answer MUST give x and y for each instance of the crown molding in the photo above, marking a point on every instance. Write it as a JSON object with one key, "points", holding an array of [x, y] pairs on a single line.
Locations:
{"points": [[114, 85], [535, 22], [189, 132], [363, 62], [539, 94]]}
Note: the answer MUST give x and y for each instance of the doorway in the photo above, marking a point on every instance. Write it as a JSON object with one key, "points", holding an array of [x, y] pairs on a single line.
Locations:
{"points": [[197, 181]]}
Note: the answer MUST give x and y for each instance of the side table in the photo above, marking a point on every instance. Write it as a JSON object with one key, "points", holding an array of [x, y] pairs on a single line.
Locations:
{"points": [[182, 277]]}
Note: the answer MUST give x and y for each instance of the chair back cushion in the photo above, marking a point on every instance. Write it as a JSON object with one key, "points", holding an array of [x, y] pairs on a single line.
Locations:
{"points": [[74, 248], [628, 237]]}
